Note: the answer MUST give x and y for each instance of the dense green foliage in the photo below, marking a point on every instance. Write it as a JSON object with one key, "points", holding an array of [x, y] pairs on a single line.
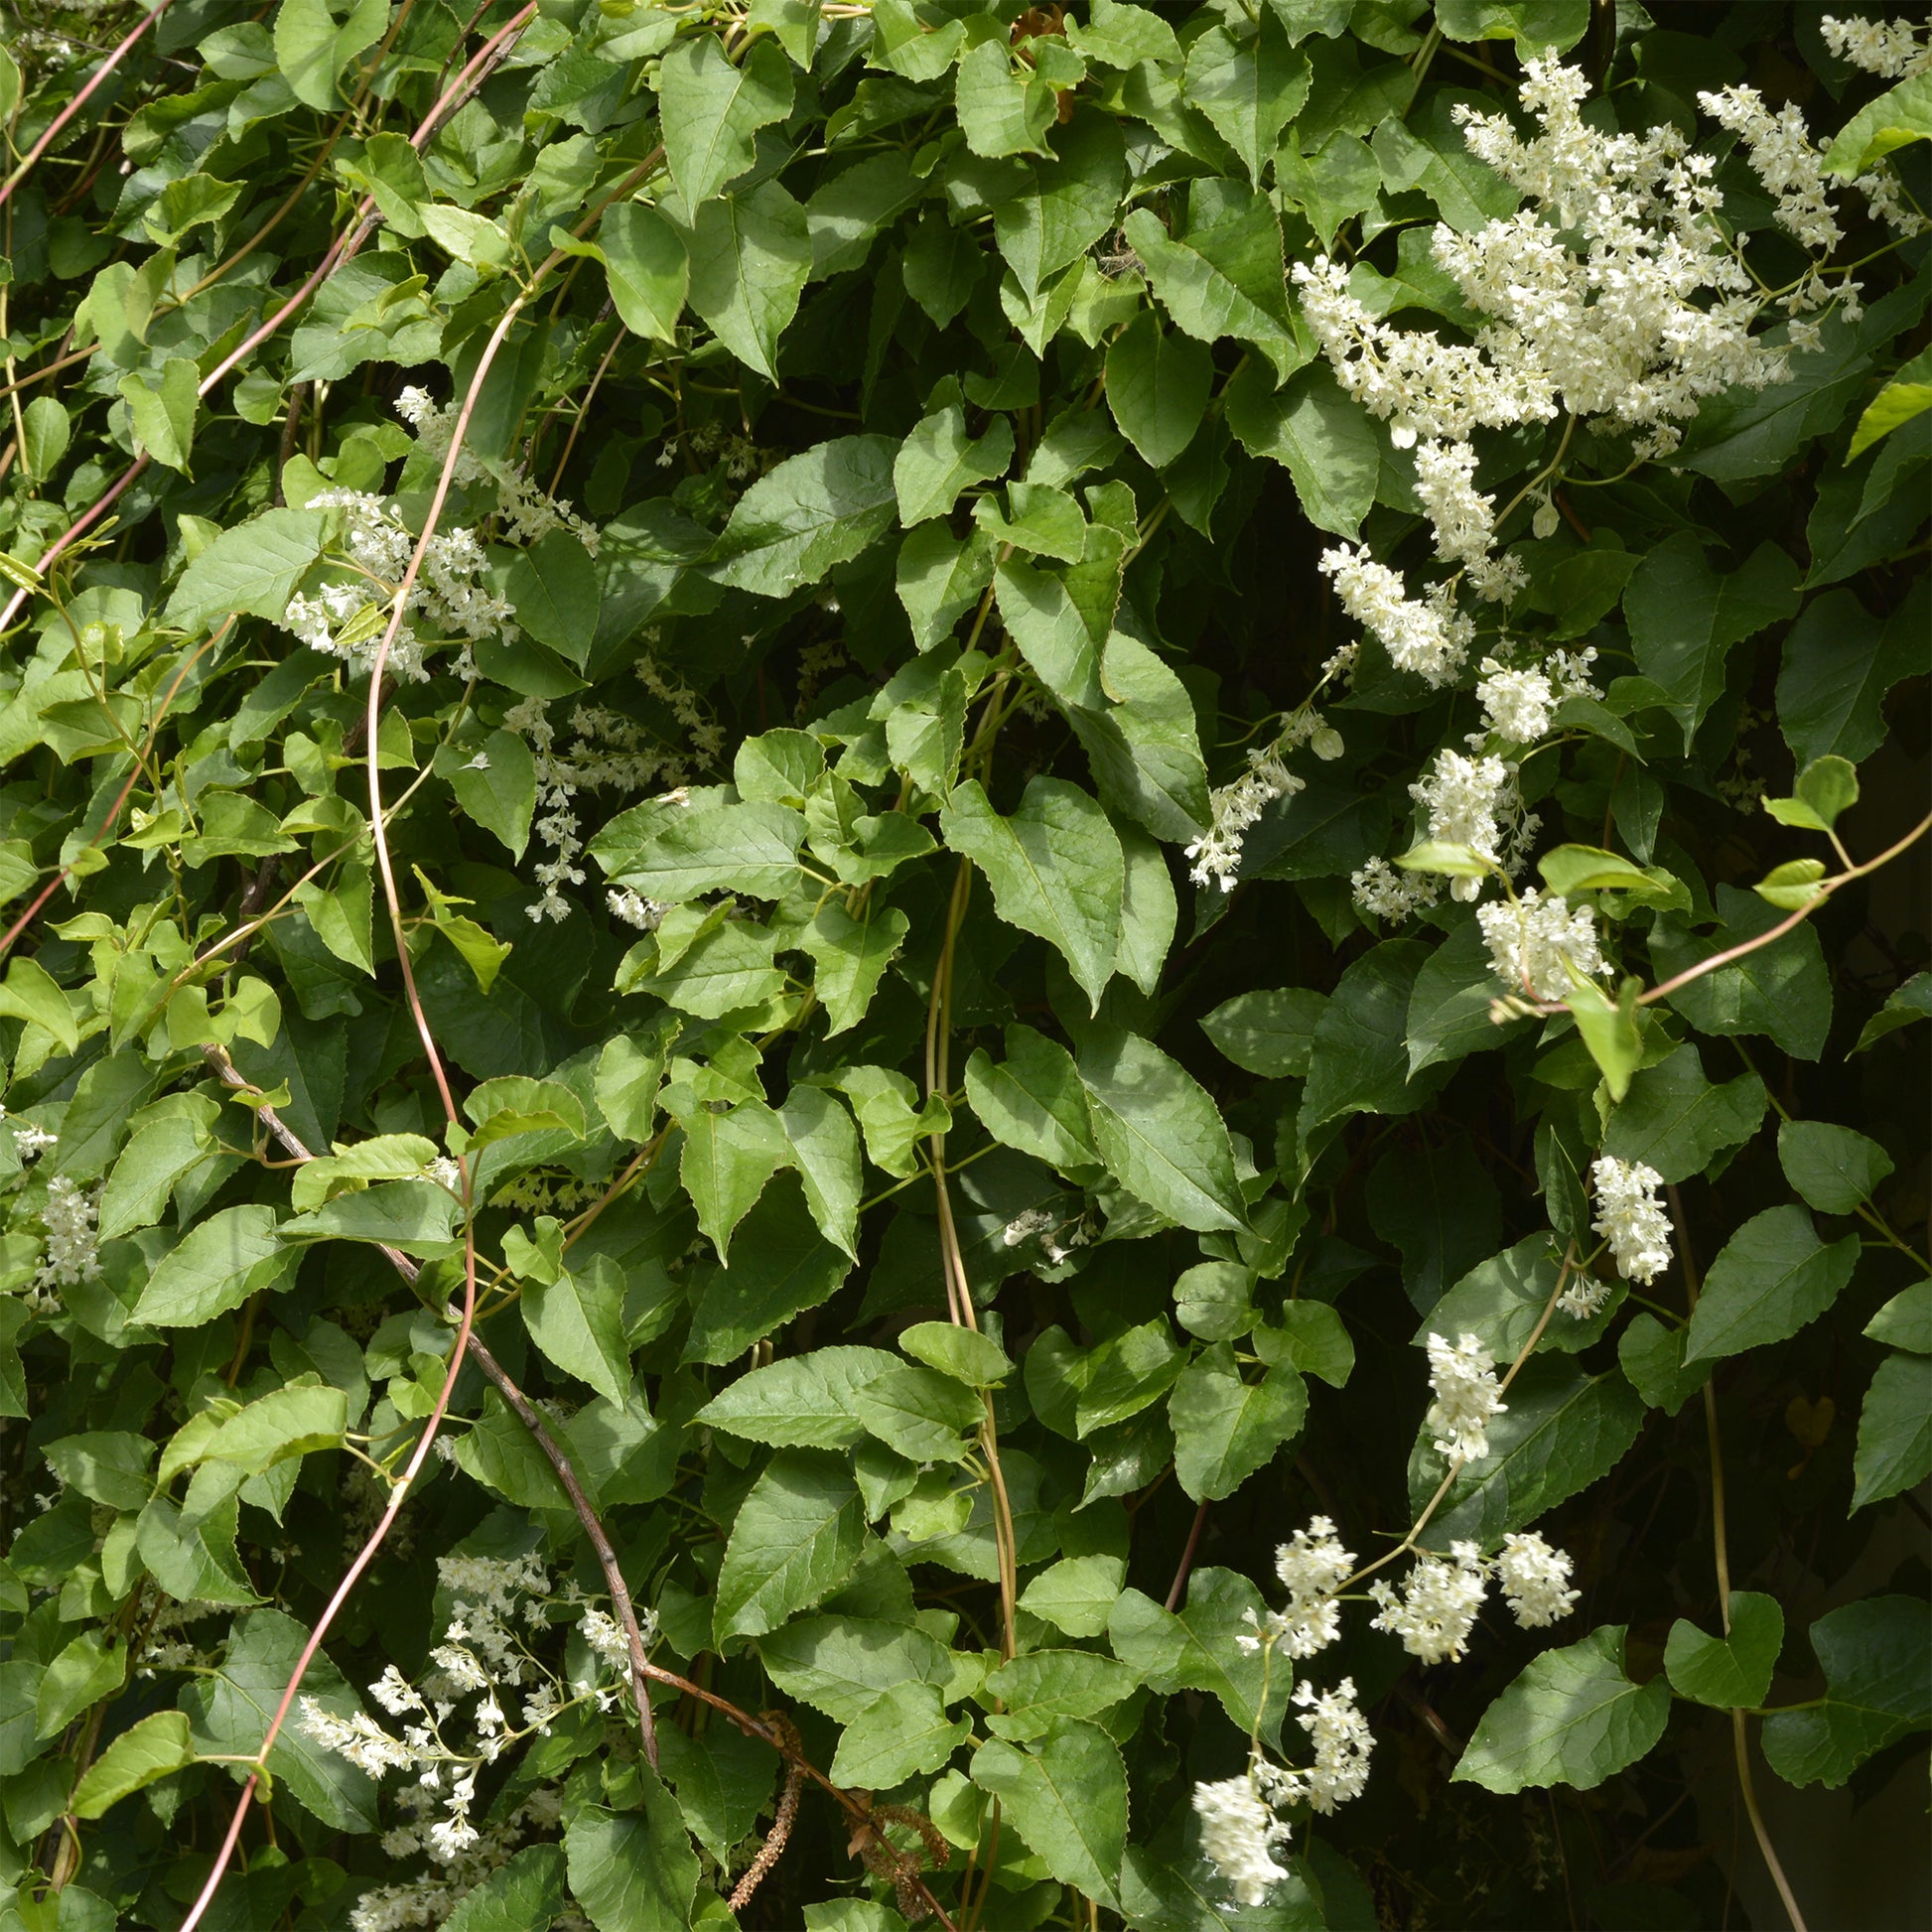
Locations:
{"points": [[934, 1152]]}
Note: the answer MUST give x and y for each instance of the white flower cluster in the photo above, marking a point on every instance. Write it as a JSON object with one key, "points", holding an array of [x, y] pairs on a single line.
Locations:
{"points": [[1463, 1375], [524, 512], [1890, 48], [1232, 808], [1384, 894], [1536, 941], [1239, 1835], [449, 601], [32, 1141], [609, 752], [1057, 1236], [482, 1651], [1431, 638], [1313, 1565], [1434, 1609], [1241, 1826], [634, 909], [1630, 1218], [1477, 802], [73, 1252], [1535, 1579]]}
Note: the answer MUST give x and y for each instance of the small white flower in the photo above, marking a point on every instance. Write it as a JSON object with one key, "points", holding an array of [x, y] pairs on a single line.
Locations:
{"points": [[1238, 1834], [1631, 1218], [1463, 1377], [1533, 1578], [1437, 1606], [1534, 940]]}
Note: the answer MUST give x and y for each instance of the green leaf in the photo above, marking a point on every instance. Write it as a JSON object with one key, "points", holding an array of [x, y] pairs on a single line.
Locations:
{"points": [[30, 992], [1562, 1431], [1907, 395], [921, 1414], [1826, 787], [1323, 440], [1225, 278], [710, 110], [750, 256], [501, 793], [749, 848], [1312, 1337], [1076, 1595], [1061, 207], [218, 1264], [291, 1421], [1729, 1672], [962, 1353], [825, 1150], [1912, 1000], [1771, 1278], [1360, 1059], [1040, 1687], [786, 1266], [47, 433], [1905, 1322], [939, 459], [903, 1733], [163, 409], [1250, 83], [1676, 1121], [578, 1323], [851, 955], [804, 1401], [154, 1748], [527, 1890], [631, 1871], [1195, 1650], [553, 586], [1792, 885], [1572, 1716], [1572, 868], [1001, 111], [1159, 1130], [1226, 1429], [1266, 1032], [230, 1712], [647, 267], [466, 235], [1894, 1448], [1894, 120], [1839, 663], [252, 569], [1610, 1029], [1066, 1798], [1558, 23], [1056, 867], [313, 45], [82, 1673], [1685, 616], [816, 509], [1834, 1168], [1877, 1657], [1652, 1357], [837, 1664], [1033, 1100], [796, 1536], [1501, 1301], [1157, 387]]}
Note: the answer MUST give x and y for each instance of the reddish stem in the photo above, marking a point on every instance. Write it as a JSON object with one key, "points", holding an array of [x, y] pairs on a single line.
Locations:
{"points": [[79, 100]]}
